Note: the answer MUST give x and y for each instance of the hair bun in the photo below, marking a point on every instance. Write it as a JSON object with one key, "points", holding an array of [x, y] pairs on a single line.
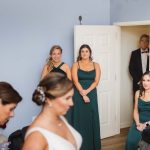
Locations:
{"points": [[39, 96]]}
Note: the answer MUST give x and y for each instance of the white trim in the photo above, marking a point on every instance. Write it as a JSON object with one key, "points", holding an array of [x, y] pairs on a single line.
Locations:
{"points": [[118, 78], [132, 23]]}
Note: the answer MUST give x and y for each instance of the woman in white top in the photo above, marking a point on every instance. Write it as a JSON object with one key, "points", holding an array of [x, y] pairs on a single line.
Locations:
{"points": [[50, 130]]}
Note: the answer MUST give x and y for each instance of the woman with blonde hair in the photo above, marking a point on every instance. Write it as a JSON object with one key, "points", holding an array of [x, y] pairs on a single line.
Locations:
{"points": [[54, 63]]}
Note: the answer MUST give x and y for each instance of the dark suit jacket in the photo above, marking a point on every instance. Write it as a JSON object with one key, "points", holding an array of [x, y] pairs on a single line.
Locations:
{"points": [[135, 68]]}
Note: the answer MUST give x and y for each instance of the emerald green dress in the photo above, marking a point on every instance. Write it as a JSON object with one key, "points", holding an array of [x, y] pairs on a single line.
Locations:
{"points": [[84, 117], [134, 135]]}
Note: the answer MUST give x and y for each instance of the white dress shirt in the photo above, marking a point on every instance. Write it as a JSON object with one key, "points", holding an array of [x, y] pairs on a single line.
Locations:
{"points": [[144, 60]]}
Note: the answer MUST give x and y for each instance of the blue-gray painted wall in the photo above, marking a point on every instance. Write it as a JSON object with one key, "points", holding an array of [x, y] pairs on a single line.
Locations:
{"points": [[27, 31], [129, 10]]}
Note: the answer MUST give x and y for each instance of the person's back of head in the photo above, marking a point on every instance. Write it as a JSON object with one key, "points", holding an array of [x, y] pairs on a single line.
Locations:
{"points": [[8, 94], [52, 86]]}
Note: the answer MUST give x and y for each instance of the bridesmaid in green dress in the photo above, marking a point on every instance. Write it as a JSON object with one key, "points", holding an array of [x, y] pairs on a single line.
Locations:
{"points": [[141, 113], [84, 115], [54, 63]]}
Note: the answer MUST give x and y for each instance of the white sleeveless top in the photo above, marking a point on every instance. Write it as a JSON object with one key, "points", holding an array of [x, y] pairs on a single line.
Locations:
{"points": [[56, 142]]}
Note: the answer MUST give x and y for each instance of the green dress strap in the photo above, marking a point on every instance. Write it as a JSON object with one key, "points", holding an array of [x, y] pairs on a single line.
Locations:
{"points": [[60, 65]]}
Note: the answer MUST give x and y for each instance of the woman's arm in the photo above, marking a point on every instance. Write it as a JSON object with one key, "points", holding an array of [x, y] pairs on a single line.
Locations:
{"points": [[35, 141], [135, 111], [44, 72], [68, 72], [140, 126]]}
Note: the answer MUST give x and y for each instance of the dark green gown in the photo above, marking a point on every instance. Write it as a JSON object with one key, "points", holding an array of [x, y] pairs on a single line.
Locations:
{"points": [[134, 136], [83, 116]]}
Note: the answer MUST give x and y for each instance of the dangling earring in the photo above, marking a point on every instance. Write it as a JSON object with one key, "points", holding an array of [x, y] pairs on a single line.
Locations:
{"points": [[50, 105]]}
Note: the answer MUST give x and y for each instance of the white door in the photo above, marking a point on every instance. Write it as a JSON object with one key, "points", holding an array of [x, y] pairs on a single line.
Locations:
{"points": [[105, 44]]}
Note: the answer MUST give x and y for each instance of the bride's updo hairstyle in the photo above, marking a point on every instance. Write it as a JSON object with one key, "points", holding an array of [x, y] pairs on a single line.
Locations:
{"points": [[51, 86]]}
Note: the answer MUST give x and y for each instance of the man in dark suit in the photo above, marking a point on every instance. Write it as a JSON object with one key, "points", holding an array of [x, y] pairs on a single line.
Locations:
{"points": [[139, 61]]}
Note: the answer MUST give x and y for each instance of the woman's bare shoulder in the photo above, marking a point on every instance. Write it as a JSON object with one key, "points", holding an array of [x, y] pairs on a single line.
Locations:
{"points": [[46, 66], [66, 65], [75, 63], [30, 141], [95, 63]]}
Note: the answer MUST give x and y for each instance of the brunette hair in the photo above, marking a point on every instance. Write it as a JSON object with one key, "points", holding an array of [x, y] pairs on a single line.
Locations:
{"points": [[142, 90], [80, 49], [8, 94]]}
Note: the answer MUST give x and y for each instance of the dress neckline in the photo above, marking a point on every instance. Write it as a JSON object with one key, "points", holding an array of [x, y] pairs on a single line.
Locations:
{"points": [[54, 134], [58, 65], [51, 132], [86, 70], [143, 100]]}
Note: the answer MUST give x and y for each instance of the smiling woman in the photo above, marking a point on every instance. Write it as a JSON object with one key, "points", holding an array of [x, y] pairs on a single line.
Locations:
{"points": [[55, 64], [9, 98]]}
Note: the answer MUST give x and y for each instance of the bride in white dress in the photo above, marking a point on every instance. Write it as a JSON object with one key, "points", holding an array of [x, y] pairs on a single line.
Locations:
{"points": [[50, 130]]}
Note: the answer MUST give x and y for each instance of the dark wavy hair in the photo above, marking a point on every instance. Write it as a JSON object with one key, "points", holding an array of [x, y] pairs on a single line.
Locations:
{"points": [[142, 90], [80, 49]]}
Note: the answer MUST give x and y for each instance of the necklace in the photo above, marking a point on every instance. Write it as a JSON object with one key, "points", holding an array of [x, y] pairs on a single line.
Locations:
{"points": [[58, 124]]}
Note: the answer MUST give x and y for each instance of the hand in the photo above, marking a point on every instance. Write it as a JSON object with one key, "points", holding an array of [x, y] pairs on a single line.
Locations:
{"points": [[83, 92], [140, 126], [86, 99]]}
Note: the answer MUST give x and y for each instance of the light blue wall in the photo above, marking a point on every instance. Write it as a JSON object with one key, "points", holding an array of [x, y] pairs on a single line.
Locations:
{"points": [[129, 10], [27, 31]]}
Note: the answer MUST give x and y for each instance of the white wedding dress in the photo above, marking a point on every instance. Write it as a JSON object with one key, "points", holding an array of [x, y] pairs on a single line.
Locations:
{"points": [[56, 142]]}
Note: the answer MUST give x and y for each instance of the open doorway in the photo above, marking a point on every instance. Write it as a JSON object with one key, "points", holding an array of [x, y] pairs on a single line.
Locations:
{"points": [[130, 34]]}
